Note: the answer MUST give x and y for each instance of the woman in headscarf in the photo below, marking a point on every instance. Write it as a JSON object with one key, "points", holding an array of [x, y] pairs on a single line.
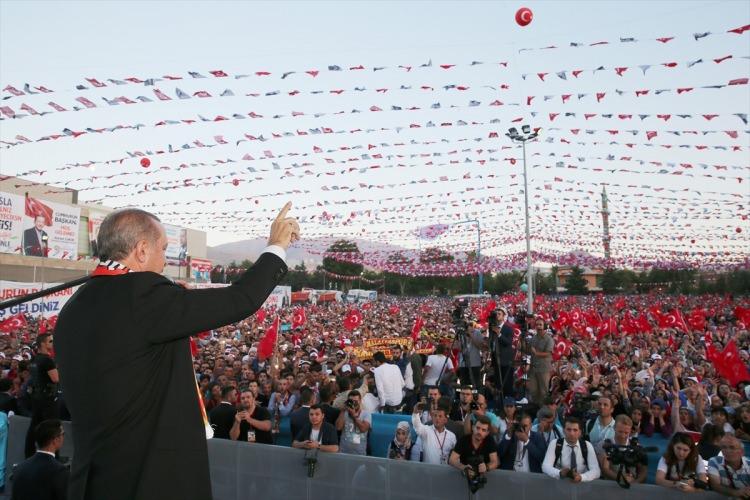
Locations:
{"points": [[400, 447]]}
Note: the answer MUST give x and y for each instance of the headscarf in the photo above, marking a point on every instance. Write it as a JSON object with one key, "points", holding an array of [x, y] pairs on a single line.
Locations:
{"points": [[403, 426]]}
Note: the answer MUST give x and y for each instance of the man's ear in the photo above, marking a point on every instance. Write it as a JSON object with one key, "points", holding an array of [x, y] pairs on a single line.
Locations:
{"points": [[141, 251]]}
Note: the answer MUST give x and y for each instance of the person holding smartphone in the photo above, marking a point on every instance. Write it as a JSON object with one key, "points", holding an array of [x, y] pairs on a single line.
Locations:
{"points": [[252, 423]]}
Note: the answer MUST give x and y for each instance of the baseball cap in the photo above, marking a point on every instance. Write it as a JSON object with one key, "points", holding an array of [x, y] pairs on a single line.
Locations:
{"points": [[694, 379], [659, 402], [655, 356], [346, 368], [544, 413], [509, 401]]}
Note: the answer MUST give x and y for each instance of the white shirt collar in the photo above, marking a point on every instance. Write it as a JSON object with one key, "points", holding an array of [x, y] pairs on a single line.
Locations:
{"points": [[46, 453]]}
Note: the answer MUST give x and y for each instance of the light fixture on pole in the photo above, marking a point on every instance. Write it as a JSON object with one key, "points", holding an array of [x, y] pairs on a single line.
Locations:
{"points": [[523, 137]]}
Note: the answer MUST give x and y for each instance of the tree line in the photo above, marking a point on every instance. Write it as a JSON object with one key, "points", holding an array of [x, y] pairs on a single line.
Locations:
{"points": [[685, 281]]}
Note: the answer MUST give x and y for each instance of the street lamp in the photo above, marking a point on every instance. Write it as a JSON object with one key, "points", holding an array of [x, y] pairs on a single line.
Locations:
{"points": [[526, 135]]}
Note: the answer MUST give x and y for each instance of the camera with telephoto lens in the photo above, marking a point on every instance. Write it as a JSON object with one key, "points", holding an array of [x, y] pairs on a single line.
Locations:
{"points": [[516, 427], [624, 457], [475, 479]]}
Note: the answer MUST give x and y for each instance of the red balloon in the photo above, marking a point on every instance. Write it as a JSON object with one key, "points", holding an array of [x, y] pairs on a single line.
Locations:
{"points": [[739, 229], [512, 161], [236, 182], [145, 162], [524, 16]]}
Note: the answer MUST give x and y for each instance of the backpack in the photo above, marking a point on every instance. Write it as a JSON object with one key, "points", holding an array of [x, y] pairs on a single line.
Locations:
{"points": [[584, 451], [589, 427]]}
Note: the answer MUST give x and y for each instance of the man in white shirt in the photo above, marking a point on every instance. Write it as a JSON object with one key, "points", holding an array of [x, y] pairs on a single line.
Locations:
{"points": [[436, 367], [389, 382], [565, 457], [603, 427], [437, 441]]}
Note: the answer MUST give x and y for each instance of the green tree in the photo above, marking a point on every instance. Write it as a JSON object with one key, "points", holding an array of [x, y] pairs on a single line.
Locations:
{"points": [[576, 283], [610, 281], [341, 267]]}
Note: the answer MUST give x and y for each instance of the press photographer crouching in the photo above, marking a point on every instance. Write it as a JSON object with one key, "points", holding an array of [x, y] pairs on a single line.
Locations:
{"points": [[623, 459], [521, 449], [475, 454]]}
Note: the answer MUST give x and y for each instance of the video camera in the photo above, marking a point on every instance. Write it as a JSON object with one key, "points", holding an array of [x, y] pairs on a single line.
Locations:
{"points": [[626, 456], [459, 321], [581, 406], [475, 479]]}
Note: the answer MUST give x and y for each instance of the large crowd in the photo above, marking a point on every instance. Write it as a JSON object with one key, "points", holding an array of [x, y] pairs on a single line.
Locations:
{"points": [[566, 391]]}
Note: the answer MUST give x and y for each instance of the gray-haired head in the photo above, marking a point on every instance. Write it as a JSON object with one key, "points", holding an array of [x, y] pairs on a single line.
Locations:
{"points": [[122, 229]]}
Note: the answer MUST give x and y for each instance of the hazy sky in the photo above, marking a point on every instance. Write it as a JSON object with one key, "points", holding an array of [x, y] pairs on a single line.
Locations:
{"points": [[60, 44]]}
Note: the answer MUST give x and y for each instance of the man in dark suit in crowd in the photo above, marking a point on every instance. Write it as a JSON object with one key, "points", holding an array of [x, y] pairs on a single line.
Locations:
{"points": [[123, 351], [222, 417], [8, 402], [299, 417], [35, 238], [42, 477], [501, 334], [521, 449]]}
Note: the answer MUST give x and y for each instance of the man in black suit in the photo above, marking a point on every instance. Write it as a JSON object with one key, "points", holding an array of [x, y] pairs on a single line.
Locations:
{"points": [[123, 351], [299, 417], [35, 238], [501, 334], [42, 477], [222, 417], [522, 449], [8, 402]]}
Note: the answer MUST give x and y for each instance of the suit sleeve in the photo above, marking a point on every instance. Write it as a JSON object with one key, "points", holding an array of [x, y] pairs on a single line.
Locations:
{"points": [[536, 448], [60, 483], [506, 336], [170, 312]]}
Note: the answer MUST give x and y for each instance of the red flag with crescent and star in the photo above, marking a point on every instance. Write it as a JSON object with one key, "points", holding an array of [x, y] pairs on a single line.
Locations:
{"points": [[353, 319], [267, 343], [418, 325], [298, 317], [13, 323]]}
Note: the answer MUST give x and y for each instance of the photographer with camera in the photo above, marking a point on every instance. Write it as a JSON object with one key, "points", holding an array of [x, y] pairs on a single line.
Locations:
{"points": [[430, 404], [546, 425], [602, 427], [475, 454], [571, 457], [469, 369], [463, 408], [521, 449], [479, 408], [623, 460], [355, 424], [681, 466], [730, 474]]}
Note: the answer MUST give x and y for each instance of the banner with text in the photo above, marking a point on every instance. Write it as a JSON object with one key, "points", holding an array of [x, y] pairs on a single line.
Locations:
{"points": [[95, 221], [49, 306], [11, 223], [176, 245]]}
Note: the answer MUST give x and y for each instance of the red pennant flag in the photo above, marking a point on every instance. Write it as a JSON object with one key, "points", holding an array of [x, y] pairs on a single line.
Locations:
{"points": [[418, 325], [353, 320], [393, 310], [267, 343], [260, 315], [13, 323], [298, 317], [740, 30]]}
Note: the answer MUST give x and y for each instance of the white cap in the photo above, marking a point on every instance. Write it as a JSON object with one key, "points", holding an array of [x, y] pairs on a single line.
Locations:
{"points": [[346, 368], [655, 356]]}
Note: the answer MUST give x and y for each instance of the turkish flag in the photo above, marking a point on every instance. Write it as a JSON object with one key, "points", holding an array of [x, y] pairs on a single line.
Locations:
{"points": [[353, 320], [730, 366], [608, 327], [742, 314], [260, 315], [418, 325], [643, 324], [562, 348], [629, 325], [268, 342], [35, 207], [13, 323], [298, 317], [697, 319], [393, 310]]}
